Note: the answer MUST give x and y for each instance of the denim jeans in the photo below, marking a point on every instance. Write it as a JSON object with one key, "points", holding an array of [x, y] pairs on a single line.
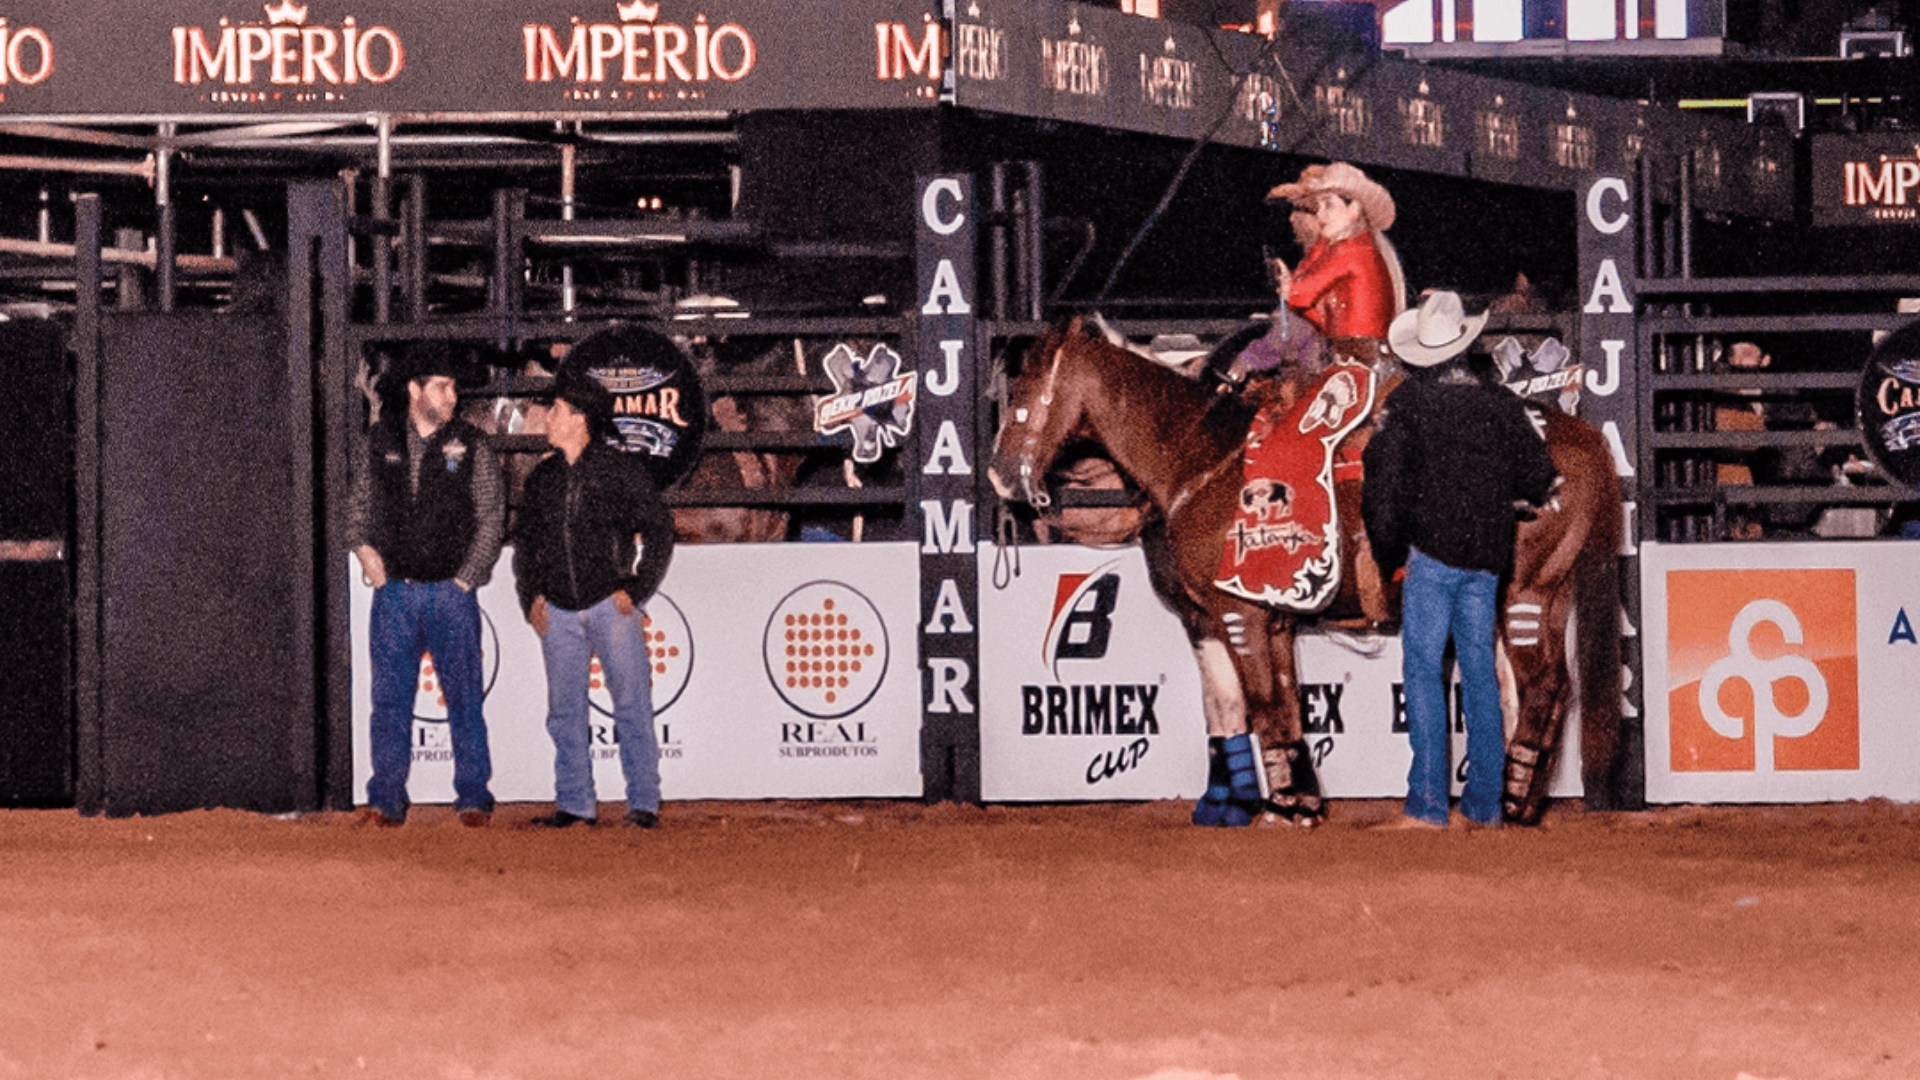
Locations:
{"points": [[620, 641], [411, 618], [1437, 602]]}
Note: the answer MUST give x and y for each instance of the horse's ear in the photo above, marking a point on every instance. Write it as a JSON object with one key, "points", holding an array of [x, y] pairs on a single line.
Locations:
{"points": [[1077, 327]]}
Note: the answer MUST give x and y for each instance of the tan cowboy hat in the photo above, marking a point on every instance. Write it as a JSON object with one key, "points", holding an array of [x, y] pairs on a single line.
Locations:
{"points": [[1299, 193], [1349, 182], [1439, 329]]}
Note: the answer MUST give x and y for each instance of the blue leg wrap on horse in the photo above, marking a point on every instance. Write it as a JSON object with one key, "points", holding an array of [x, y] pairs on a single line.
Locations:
{"points": [[1244, 797], [1212, 808]]}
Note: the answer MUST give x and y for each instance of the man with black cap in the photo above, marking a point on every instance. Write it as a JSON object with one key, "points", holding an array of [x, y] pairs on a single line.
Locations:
{"points": [[584, 583], [426, 521], [1453, 455]]}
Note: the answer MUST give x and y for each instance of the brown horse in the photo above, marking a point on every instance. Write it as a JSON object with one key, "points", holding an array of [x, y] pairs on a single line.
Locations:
{"points": [[1181, 445]]}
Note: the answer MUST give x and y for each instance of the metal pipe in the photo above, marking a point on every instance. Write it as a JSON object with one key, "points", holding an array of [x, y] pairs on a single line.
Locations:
{"points": [[45, 231], [997, 239], [350, 183], [166, 225], [253, 226], [1686, 214], [139, 257], [336, 143], [1034, 241], [89, 530], [29, 163], [1649, 234], [413, 251], [380, 249], [509, 206], [130, 294], [567, 182]]}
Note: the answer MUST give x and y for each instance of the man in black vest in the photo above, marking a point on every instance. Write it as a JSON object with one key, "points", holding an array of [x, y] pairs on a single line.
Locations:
{"points": [[426, 522]]}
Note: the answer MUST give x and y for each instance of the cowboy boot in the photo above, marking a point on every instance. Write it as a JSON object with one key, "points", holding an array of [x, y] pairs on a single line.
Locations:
{"points": [[1211, 810]]}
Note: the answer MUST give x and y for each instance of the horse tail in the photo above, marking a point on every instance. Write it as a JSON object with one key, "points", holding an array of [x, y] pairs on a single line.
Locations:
{"points": [[1597, 631]]}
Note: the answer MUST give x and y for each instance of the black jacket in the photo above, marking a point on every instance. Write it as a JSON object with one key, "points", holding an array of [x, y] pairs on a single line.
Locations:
{"points": [[1450, 457], [573, 536]]}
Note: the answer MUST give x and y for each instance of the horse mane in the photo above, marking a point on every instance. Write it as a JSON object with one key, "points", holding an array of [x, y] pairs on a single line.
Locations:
{"points": [[1172, 392]]}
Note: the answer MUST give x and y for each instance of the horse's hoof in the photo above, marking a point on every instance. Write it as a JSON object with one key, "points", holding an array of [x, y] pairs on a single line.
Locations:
{"points": [[1519, 813], [1210, 812], [1303, 811]]}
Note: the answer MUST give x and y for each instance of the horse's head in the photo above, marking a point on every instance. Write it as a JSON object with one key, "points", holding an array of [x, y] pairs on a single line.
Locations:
{"points": [[1044, 409]]}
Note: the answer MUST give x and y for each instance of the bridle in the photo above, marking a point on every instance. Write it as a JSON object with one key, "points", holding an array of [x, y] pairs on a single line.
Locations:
{"points": [[1031, 485]]}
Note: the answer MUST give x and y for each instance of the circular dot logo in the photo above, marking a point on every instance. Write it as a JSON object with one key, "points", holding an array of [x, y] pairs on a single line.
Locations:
{"points": [[430, 701], [826, 649], [669, 659]]}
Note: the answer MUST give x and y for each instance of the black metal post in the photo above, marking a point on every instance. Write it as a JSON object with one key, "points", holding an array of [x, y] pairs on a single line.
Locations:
{"points": [[89, 766]]}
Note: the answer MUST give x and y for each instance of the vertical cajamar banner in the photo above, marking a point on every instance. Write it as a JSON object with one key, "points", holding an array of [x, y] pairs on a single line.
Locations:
{"points": [[946, 219], [1609, 400]]}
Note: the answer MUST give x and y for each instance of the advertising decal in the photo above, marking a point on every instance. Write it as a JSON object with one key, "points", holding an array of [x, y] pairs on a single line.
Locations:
{"points": [[1776, 672], [243, 59], [773, 677], [1867, 179], [1090, 692]]}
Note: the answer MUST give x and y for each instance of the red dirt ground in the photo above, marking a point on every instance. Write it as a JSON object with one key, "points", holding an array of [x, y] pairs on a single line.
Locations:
{"points": [[892, 940]]}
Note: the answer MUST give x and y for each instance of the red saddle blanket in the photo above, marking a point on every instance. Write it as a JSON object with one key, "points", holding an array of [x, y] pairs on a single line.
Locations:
{"points": [[1283, 547]]}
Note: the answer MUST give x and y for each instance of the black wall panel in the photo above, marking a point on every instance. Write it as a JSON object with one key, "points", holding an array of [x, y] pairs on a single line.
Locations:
{"points": [[36, 484], [199, 555]]}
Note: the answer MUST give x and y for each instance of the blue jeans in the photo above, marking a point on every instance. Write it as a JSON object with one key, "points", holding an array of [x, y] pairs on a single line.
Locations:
{"points": [[411, 618], [573, 639], [1437, 602]]}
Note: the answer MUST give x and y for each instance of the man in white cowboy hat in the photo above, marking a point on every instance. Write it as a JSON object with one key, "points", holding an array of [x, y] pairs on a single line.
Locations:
{"points": [[1451, 457]]}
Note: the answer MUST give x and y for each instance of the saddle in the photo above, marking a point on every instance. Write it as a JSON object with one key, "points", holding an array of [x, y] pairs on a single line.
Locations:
{"points": [[1283, 547]]}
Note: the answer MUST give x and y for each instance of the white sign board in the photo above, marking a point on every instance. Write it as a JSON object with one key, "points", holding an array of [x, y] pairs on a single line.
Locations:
{"points": [[1078, 636], [1087, 688], [1781, 672], [780, 671]]}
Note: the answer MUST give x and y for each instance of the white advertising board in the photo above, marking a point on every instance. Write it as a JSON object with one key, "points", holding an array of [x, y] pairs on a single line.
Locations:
{"points": [[1781, 672], [733, 720], [1079, 630], [1087, 688], [1354, 713]]}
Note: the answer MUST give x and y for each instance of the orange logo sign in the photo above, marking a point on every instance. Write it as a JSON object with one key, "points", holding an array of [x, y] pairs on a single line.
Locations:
{"points": [[1762, 670]]}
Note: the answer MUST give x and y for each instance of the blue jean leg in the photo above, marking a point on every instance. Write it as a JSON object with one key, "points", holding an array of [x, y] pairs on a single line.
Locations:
{"points": [[573, 638], [1475, 607], [568, 653], [1426, 608], [621, 642], [394, 645], [452, 634]]}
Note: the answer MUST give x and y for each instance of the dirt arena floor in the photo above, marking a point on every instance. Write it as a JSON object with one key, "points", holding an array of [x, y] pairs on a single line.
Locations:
{"points": [[894, 941]]}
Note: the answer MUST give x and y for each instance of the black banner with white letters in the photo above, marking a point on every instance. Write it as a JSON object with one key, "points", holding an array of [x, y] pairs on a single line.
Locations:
{"points": [[946, 220], [249, 60]]}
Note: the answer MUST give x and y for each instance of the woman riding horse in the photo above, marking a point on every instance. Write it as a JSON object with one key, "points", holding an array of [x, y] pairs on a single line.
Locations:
{"points": [[1347, 287], [1346, 290]]}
